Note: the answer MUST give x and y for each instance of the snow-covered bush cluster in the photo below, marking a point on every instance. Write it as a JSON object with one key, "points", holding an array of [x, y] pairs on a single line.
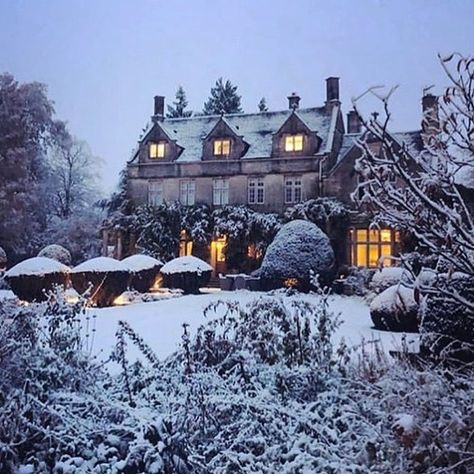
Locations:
{"points": [[56, 252], [260, 388]]}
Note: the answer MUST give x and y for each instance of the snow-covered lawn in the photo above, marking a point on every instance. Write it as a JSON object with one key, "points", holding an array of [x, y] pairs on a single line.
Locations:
{"points": [[160, 322]]}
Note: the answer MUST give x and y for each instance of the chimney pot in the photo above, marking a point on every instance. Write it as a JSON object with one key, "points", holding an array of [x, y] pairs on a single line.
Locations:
{"points": [[354, 124], [159, 110], [294, 101], [332, 89]]}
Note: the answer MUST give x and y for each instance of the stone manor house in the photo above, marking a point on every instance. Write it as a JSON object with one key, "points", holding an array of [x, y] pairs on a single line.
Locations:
{"points": [[268, 161]]}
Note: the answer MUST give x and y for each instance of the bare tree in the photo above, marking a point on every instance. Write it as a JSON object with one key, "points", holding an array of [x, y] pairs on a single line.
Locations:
{"points": [[433, 190]]}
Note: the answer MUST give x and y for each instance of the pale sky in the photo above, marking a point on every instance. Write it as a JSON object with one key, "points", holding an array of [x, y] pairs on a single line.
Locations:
{"points": [[104, 60]]}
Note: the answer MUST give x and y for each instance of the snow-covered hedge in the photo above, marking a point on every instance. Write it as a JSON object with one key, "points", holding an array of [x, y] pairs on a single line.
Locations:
{"points": [[100, 279], [395, 309], [33, 278], [387, 277], [56, 252], [187, 273], [299, 251], [447, 327], [144, 271]]}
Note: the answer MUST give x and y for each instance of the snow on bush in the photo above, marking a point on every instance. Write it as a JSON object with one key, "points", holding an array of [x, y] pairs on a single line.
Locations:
{"points": [[299, 250], [186, 264], [447, 326], [100, 264], [395, 309], [136, 263], [56, 252], [37, 266], [388, 276], [144, 271]]}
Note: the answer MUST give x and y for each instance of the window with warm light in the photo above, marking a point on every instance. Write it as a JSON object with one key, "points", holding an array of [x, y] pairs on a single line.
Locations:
{"points": [[187, 192], [217, 249], [222, 147], [185, 244], [256, 190], [294, 142], [156, 150], [155, 193], [367, 246], [293, 189]]}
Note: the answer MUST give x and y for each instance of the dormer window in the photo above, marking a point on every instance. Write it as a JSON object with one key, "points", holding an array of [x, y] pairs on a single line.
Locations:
{"points": [[222, 147], [157, 150], [294, 142]]}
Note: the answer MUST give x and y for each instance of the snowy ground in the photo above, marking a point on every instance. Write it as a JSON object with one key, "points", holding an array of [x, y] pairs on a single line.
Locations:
{"points": [[160, 322]]}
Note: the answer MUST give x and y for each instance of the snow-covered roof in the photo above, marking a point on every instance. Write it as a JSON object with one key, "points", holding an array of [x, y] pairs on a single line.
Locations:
{"points": [[138, 262], [37, 266], [256, 129], [100, 264], [186, 264]]}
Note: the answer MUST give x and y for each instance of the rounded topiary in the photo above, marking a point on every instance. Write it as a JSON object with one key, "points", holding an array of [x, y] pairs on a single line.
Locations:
{"points": [[387, 277], [186, 273], [144, 271], [101, 279], [56, 252], [447, 326], [395, 309], [299, 251], [32, 279]]}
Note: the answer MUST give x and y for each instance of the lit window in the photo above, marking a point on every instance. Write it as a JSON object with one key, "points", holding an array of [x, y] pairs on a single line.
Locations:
{"points": [[185, 244], [187, 192], [256, 191], [157, 150], [220, 192], [368, 245], [155, 193], [217, 250], [222, 147], [293, 187], [294, 142]]}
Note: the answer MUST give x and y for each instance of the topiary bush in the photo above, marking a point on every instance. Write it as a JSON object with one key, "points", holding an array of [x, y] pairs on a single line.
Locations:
{"points": [[144, 271], [387, 277], [186, 273], [395, 309], [101, 279], [56, 252], [299, 251], [32, 279], [447, 326]]}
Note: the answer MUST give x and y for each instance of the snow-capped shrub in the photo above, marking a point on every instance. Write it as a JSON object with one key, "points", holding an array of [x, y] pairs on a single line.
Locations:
{"points": [[187, 273], [447, 325], [56, 252], [299, 251], [395, 309], [387, 277], [32, 279], [143, 271], [100, 279]]}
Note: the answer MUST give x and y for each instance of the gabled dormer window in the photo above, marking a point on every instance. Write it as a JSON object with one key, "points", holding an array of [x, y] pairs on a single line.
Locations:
{"points": [[222, 147], [294, 142], [156, 150]]}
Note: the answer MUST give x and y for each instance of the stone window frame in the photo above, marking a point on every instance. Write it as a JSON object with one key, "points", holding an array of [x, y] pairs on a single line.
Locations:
{"points": [[293, 189], [256, 190], [187, 192], [155, 193], [220, 191]]}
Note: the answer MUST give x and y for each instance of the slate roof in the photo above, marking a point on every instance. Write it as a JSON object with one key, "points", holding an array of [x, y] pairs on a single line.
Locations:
{"points": [[256, 129]]}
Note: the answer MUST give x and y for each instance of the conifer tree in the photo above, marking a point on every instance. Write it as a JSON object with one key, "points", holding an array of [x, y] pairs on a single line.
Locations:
{"points": [[262, 105], [177, 110], [223, 99]]}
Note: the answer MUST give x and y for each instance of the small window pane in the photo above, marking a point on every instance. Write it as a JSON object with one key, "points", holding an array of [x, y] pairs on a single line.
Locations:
{"points": [[298, 142], [361, 255], [225, 147], [373, 235], [386, 235], [373, 255], [361, 235], [289, 144], [160, 152]]}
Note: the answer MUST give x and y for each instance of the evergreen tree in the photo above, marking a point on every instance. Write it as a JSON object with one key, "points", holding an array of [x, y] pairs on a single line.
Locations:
{"points": [[180, 104], [262, 105], [223, 99]]}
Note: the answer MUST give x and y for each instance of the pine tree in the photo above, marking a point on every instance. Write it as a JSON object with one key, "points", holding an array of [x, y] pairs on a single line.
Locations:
{"points": [[223, 99], [180, 105], [262, 105]]}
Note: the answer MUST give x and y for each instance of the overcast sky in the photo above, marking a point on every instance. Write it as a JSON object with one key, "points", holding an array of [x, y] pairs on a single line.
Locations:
{"points": [[105, 60]]}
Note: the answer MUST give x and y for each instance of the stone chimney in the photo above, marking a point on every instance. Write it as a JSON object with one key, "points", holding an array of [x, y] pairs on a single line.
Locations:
{"points": [[159, 110], [354, 124], [293, 101], [430, 122], [332, 90]]}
